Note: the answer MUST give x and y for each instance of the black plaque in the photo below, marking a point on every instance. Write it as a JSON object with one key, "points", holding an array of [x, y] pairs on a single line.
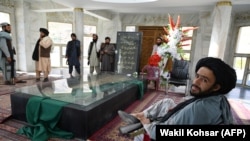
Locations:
{"points": [[128, 47]]}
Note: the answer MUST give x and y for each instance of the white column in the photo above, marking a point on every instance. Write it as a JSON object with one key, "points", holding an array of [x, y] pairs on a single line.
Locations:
{"points": [[23, 56], [78, 30], [221, 25]]}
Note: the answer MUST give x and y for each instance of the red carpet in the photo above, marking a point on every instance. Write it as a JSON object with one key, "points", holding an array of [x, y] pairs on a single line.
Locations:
{"points": [[240, 112], [110, 131]]}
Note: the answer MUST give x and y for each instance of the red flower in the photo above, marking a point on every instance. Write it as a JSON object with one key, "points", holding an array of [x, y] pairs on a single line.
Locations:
{"points": [[154, 60]]}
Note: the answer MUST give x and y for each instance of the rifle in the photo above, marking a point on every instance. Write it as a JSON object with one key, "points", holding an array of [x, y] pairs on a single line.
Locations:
{"points": [[130, 128], [12, 51], [12, 69]]}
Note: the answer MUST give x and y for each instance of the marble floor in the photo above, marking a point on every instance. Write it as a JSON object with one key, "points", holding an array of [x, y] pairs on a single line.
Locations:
{"points": [[242, 94]]}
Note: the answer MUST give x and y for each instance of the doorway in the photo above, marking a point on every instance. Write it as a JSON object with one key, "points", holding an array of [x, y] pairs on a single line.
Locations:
{"points": [[150, 33]]}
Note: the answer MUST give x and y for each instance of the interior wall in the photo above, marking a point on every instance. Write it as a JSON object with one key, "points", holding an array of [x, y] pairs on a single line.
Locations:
{"points": [[109, 28], [30, 22]]}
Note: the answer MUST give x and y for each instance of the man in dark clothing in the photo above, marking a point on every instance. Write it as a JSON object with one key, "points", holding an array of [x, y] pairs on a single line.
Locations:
{"points": [[107, 53], [73, 54]]}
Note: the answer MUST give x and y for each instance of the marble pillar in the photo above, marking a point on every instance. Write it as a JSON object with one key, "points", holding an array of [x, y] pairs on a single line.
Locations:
{"points": [[23, 56], [109, 28], [221, 26], [78, 30]]}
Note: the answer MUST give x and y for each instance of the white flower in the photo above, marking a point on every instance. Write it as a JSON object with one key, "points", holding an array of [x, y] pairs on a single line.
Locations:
{"points": [[160, 51], [166, 75]]}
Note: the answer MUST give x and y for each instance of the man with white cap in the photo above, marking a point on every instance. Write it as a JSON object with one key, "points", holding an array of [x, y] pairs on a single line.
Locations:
{"points": [[7, 61]]}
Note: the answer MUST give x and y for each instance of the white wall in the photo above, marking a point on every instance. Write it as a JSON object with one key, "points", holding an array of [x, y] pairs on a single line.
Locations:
{"points": [[27, 23]]}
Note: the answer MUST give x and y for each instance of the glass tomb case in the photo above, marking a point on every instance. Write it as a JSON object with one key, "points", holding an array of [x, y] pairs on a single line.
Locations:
{"points": [[82, 91]]}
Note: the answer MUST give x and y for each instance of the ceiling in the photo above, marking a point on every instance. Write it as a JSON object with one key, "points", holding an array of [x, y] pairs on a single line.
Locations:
{"points": [[159, 6], [156, 7]]}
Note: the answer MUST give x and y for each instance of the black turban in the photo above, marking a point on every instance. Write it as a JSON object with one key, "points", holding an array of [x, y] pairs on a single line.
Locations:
{"points": [[45, 31], [225, 75]]}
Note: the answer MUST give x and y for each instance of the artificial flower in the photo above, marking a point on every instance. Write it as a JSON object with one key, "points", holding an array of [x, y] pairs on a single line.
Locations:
{"points": [[171, 48], [154, 60]]}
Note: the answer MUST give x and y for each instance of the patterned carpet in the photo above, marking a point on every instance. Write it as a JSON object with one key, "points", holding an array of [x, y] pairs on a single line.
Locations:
{"points": [[109, 132], [240, 111]]}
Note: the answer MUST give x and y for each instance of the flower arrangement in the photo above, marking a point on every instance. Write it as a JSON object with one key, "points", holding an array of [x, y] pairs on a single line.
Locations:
{"points": [[173, 37], [154, 60]]}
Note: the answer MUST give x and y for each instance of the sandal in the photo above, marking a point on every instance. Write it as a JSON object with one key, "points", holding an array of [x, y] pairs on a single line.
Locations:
{"points": [[8, 83], [20, 81]]}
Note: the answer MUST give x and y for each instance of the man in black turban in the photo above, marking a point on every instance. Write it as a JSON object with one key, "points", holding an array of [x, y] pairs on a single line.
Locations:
{"points": [[41, 54], [225, 76], [209, 106], [45, 31]]}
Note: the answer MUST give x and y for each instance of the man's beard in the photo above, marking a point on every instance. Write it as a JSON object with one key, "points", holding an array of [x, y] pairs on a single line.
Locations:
{"points": [[94, 40], [42, 36], [7, 31], [202, 93], [158, 44]]}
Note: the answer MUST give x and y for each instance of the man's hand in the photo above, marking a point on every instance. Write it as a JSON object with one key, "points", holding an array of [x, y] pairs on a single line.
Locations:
{"points": [[141, 117], [8, 59], [144, 120]]}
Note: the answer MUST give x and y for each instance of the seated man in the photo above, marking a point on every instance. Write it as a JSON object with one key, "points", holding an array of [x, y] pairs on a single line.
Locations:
{"points": [[213, 79]]}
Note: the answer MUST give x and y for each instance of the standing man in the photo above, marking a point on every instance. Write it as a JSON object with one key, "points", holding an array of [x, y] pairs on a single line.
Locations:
{"points": [[41, 55], [73, 54], [158, 43], [94, 54], [107, 53], [7, 52]]}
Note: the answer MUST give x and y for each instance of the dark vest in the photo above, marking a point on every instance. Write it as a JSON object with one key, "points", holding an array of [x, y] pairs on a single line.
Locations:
{"points": [[10, 49], [45, 52], [90, 50]]}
